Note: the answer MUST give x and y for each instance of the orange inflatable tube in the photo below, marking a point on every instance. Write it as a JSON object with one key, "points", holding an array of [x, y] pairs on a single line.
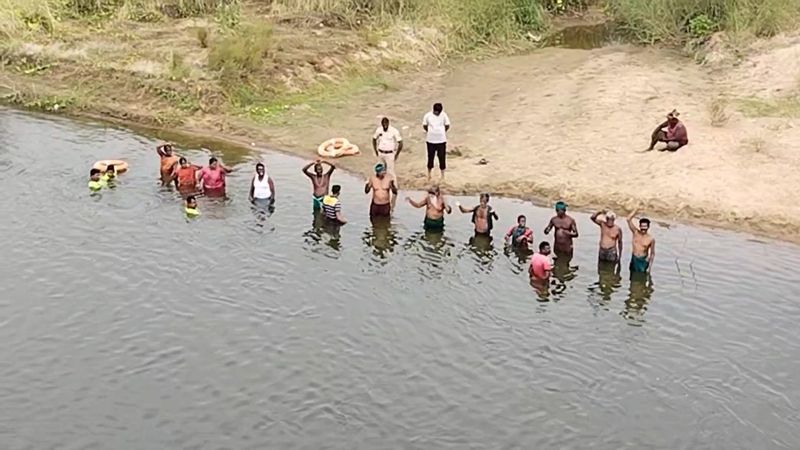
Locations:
{"points": [[336, 147], [119, 165]]}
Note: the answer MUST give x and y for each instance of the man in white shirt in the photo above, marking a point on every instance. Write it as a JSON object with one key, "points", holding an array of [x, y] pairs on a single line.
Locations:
{"points": [[436, 125], [387, 144]]}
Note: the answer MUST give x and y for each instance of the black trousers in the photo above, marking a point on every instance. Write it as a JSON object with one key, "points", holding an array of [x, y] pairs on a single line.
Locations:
{"points": [[438, 151]]}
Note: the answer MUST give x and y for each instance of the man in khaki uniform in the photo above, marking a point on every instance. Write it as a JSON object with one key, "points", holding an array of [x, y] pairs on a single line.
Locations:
{"points": [[387, 144]]}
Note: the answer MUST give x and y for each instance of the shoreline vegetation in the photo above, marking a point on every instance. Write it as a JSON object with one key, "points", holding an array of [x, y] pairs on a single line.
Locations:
{"points": [[287, 74]]}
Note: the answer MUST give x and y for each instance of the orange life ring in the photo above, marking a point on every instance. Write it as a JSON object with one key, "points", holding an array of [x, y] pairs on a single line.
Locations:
{"points": [[119, 165], [336, 147]]}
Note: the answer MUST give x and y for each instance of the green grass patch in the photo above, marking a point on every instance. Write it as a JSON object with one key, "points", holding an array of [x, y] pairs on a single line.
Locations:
{"points": [[277, 107], [780, 107]]}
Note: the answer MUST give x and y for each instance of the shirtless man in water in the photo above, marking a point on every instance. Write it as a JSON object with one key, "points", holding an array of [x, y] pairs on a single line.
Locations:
{"points": [[610, 236], [169, 161], [320, 181], [566, 230], [383, 189], [483, 216], [435, 206], [644, 245]]}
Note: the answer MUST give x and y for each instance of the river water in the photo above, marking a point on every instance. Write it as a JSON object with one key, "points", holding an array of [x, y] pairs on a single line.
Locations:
{"points": [[125, 326]]}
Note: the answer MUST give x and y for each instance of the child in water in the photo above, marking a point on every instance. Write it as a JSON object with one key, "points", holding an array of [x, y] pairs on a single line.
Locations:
{"points": [[96, 182], [110, 176], [191, 207]]}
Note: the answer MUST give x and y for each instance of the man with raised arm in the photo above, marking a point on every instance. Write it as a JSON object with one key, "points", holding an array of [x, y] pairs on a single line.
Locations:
{"points": [[644, 245], [610, 236]]}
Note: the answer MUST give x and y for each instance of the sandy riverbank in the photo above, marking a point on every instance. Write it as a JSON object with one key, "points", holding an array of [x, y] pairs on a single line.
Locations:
{"points": [[571, 124]]}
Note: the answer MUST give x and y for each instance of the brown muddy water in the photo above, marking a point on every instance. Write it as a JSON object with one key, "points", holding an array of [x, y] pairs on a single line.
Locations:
{"points": [[125, 326]]}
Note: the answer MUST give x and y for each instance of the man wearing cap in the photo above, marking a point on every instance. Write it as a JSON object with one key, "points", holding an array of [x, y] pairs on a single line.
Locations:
{"points": [[672, 132], [566, 230], [383, 189], [387, 144], [610, 236]]}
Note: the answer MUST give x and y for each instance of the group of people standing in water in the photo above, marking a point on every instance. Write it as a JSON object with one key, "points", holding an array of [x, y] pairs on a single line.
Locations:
{"points": [[383, 190]]}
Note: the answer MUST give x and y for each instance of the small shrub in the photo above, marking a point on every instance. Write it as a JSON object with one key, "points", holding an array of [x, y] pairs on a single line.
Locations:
{"points": [[702, 26], [177, 69], [202, 36]]}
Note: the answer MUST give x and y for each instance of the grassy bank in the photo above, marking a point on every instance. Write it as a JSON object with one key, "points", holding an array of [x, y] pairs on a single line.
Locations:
{"points": [[676, 22]]}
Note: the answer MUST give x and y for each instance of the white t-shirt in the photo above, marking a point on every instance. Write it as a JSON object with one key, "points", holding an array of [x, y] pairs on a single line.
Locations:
{"points": [[387, 140], [436, 132]]}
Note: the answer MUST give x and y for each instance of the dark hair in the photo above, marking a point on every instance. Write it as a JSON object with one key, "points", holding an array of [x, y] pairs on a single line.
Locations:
{"points": [[259, 165], [485, 194], [385, 119], [521, 216], [212, 160], [543, 244], [437, 107], [644, 221], [110, 167], [336, 189], [94, 171], [183, 160], [189, 198]]}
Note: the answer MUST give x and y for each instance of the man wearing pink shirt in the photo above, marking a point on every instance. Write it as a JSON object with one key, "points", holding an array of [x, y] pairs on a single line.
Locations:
{"points": [[672, 132], [541, 268], [211, 179]]}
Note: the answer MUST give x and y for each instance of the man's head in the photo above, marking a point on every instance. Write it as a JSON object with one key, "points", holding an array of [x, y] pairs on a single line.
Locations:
{"points": [[260, 169], [610, 218], [335, 190], [168, 149], [212, 162], [434, 189], [191, 202], [484, 199], [385, 123], [544, 248], [437, 108], [380, 170], [561, 209], [672, 117], [521, 220], [644, 225], [318, 168], [94, 174], [111, 171], [183, 162]]}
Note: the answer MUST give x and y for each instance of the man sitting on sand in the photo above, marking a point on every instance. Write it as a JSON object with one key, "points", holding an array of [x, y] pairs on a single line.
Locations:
{"points": [[672, 132], [383, 188], [483, 216], [566, 230], [320, 181], [610, 236], [644, 245], [435, 206]]}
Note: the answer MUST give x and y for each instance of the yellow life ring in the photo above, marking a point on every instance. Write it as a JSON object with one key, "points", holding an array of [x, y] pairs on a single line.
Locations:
{"points": [[119, 165], [336, 147]]}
